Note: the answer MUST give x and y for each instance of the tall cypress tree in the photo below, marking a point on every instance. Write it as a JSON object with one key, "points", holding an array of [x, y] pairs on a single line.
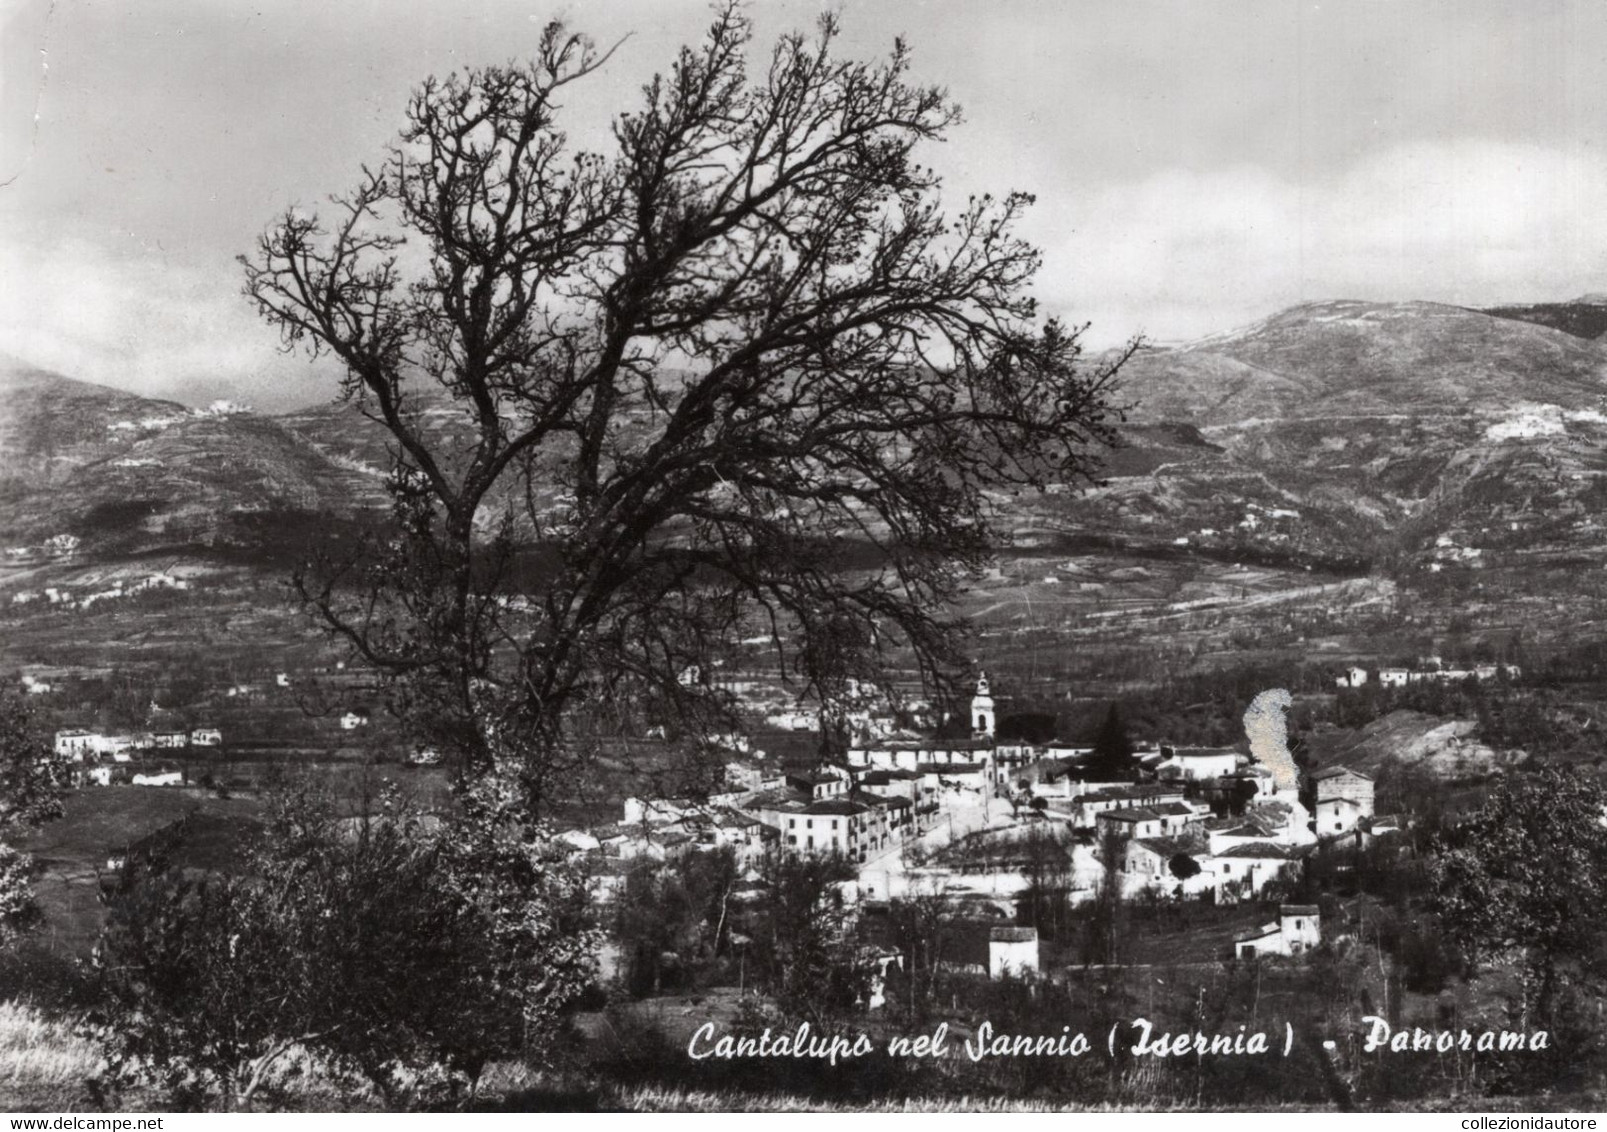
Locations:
{"points": [[1113, 749]]}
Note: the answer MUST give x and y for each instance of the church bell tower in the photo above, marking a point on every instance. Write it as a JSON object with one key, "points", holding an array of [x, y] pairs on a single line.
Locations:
{"points": [[982, 718]]}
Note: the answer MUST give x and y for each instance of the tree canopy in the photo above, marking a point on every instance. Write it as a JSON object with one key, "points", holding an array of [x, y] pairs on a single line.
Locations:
{"points": [[1528, 873], [403, 951], [742, 376], [33, 780]]}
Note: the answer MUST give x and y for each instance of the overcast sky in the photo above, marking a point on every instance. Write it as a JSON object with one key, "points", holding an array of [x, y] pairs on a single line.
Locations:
{"points": [[1197, 164]]}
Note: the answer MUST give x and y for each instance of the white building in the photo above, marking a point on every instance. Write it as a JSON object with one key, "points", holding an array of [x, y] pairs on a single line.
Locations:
{"points": [[1196, 763], [1012, 951], [1162, 819], [75, 743], [1241, 871], [821, 783], [206, 737], [353, 720], [1344, 798], [1338, 815], [655, 811], [838, 825], [796, 720], [1086, 807], [1298, 928], [160, 778], [912, 754], [1352, 677]]}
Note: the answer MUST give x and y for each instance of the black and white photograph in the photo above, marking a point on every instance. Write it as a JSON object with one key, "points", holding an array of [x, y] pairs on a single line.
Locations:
{"points": [[824, 556]]}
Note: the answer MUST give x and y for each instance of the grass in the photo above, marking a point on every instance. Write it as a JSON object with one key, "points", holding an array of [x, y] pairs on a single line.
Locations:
{"points": [[45, 1066], [660, 1099], [516, 1089], [72, 852], [38, 1053]]}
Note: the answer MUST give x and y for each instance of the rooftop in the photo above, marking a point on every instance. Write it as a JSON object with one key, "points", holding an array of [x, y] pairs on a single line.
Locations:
{"points": [[1339, 772], [1139, 813], [835, 807], [726, 815], [1256, 849], [927, 745], [814, 777], [1168, 846], [885, 777], [1257, 933], [1247, 829], [1013, 935]]}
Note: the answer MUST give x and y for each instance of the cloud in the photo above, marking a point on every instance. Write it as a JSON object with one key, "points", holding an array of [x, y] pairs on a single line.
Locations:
{"points": [[144, 324], [1177, 254], [1183, 253]]}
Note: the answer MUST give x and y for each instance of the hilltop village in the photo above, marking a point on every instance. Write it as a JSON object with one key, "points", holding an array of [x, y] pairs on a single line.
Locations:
{"points": [[912, 816]]}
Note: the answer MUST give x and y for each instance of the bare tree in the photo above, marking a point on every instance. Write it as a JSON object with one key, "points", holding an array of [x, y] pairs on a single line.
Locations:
{"points": [[742, 375]]}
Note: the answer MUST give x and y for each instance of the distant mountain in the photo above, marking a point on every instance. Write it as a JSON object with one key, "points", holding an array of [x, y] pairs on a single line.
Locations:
{"points": [[51, 425], [1344, 435], [128, 475], [1584, 317], [1342, 358], [1388, 433]]}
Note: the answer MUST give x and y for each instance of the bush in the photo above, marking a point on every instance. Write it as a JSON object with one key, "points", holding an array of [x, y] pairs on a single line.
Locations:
{"points": [[403, 956]]}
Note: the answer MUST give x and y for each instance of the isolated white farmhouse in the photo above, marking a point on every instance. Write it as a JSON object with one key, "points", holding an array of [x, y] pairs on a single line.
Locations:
{"points": [[1352, 677], [160, 778], [1298, 928], [1012, 952]]}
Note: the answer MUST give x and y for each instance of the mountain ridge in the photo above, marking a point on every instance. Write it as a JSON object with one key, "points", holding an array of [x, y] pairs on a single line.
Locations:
{"points": [[1342, 433]]}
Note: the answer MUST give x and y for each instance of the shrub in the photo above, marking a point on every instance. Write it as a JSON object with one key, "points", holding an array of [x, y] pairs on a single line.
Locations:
{"points": [[406, 956]]}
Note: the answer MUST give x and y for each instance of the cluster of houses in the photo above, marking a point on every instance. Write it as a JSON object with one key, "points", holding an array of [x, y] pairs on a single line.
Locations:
{"points": [[103, 756], [58, 596], [1431, 672], [1176, 842], [54, 547], [81, 745], [825, 811], [1192, 822]]}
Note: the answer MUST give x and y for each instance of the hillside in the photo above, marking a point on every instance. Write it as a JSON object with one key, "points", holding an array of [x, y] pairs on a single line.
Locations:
{"points": [[50, 425], [112, 475], [1448, 748], [1584, 317], [1386, 426], [1390, 457]]}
